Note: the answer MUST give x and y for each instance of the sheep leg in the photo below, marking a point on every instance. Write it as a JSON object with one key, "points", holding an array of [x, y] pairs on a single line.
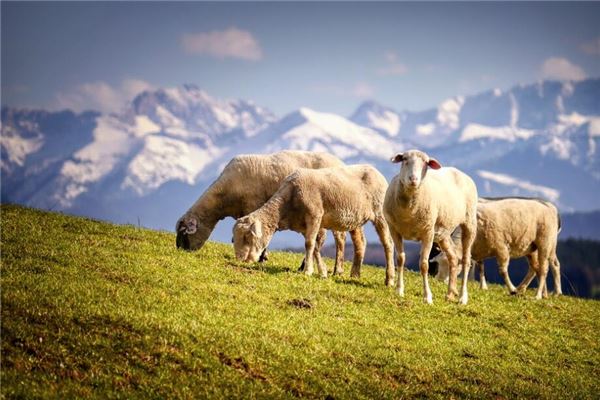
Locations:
{"points": [[384, 237], [555, 266], [424, 268], [401, 258], [359, 242], [448, 249], [310, 239], [482, 281], [503, 259], [531, 272], [317, 254], [340, 242], [542, 273], [472, 272], [467, 238]]}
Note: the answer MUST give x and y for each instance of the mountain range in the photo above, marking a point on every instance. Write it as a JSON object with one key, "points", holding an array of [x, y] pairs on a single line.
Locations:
{"points": [[147, 163]]}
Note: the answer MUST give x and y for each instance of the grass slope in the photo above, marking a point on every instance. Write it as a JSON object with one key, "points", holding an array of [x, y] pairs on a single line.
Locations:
{"points": [[96, 310]]}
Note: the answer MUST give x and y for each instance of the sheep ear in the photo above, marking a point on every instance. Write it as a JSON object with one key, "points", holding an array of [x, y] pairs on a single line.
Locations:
{"points": [[434, 164], [256, 229], [397, 158]]}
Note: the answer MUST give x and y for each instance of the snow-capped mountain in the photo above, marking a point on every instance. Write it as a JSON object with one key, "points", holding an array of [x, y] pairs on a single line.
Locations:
{"points": [[532, 140], [150, 161], [311, 130]]}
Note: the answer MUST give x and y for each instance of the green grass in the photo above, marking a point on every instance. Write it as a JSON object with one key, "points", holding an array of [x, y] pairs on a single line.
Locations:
{"points": [[96, 310]]}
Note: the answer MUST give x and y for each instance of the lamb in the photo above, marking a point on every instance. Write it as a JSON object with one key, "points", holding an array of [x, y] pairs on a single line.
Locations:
{"points": [[245, 184], [338, 198], [426, 202], [518, 227]]}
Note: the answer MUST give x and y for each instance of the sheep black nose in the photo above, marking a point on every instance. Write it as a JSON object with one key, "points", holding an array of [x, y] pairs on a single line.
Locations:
{"points": [[182, 241]]}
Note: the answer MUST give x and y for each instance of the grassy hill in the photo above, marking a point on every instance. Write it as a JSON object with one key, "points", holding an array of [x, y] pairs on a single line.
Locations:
{"points": [[96, 310]]}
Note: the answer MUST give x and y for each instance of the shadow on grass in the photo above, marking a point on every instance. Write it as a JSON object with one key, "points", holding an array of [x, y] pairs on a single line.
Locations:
{"points": [[255, 268], [355, 282]]}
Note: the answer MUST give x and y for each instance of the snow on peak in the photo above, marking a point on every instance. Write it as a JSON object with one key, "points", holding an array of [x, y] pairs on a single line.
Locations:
{"points": [[163, 159], [448, 114], [594, 127], [567, 88], [388, 122], [520, 185], [425, 129], [508, 133], [319, 131], [572, 119], [561, 147], [190, 111], [378, 117], [144, 126], [17, 146], [112, 140]]}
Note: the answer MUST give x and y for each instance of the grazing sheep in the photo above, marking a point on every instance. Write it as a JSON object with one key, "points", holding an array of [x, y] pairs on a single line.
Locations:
{"points": [[443, 269], [426, 202], [245, 184], [514, 227], [340, 198]]}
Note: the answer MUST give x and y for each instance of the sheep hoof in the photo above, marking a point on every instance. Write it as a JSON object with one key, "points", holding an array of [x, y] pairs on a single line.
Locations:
{"points": [[427, 300], [463, 300], [338, 272], [400, 292], [264, 256], [513, 292], [450, 297], [389, 282], [301, 267]]}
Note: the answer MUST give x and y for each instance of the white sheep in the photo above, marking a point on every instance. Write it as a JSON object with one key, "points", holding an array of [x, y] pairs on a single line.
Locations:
{"points": [[340, 198], [513, 227], [426, 202], [245, 184], [443, 269]]}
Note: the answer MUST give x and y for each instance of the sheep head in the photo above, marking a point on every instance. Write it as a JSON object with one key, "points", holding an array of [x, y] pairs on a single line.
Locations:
{"points": [[249, 240], [414, 167], [191, 233]]}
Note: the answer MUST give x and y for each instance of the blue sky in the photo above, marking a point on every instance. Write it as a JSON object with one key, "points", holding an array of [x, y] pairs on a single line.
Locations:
{"points": [[327, 56]]}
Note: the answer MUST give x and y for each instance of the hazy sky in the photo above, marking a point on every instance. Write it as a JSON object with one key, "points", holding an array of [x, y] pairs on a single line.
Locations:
{"points": [[327, 56]]}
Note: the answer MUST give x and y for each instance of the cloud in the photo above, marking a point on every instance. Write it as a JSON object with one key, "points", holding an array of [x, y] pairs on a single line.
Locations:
{"points": [[561, 69], [230, 43], [592, 47], [101, 96], [393, 65]]}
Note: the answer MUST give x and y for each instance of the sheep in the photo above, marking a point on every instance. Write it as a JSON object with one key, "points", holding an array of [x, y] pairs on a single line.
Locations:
{"points": [[338, 198], [245, 184], [513, 227], [426, 202], [443, 269]]}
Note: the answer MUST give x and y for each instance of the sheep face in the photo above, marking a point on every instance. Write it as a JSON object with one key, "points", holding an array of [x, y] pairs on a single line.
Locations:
{"points": [[249, 242], [414, 167], [191, 233]]}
